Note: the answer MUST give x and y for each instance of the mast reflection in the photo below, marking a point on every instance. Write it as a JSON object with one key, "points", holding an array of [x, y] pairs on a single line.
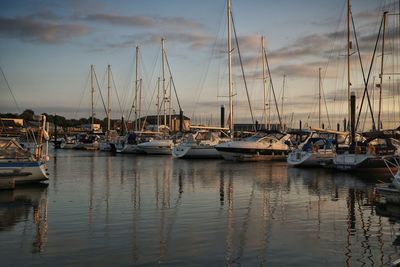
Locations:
{"points": [[15, 207], [229, 222]]}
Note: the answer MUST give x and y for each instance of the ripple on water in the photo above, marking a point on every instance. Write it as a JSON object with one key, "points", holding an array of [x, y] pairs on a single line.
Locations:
{"points": [[137, 210]]}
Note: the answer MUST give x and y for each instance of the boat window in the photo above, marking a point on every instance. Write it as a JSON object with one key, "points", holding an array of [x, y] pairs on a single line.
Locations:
{"points": [[395, 143], [277, 135], [378, 141], [253, 138], [267, 140]]}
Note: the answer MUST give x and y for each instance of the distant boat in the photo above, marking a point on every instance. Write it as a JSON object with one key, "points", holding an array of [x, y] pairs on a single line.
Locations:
{"points": [[91, 139], [87, 142], [68, 142], [200, 144], [129, 143], [157, 147], [109, 141], [162, 145], [22, 165], [317, 150], [261, 146]]}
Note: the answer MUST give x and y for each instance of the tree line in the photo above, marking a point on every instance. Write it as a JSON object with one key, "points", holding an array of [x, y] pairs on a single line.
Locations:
{"points": [[29, 115]]}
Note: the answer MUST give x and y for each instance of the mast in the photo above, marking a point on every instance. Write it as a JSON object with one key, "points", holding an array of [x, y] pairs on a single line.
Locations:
{"points": [[170, 104], [381, 74], [348, 59], [92, 86], [140, 104], [264, 83], [319, 97], [283, 94], [108, 97], [158, 102], [136, 87], [163, 80], [230, 122]]}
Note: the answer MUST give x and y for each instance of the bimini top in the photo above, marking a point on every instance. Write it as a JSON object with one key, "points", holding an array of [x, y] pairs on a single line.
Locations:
{"points": [[261, 135], [11, 149]]}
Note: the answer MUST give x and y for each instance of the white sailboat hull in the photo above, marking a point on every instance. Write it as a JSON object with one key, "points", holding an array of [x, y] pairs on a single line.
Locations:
{"points": [[157, 147], [64, 145], [23, 172], [310, 159], [130, 149]]}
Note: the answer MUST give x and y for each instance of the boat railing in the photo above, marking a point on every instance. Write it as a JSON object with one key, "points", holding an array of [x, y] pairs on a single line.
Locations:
{"points": [[392, 162], [367, 149], [384, 151]]}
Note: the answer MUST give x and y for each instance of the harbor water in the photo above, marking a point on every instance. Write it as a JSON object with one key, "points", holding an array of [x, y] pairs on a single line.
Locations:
{"points": [[122, 210]]}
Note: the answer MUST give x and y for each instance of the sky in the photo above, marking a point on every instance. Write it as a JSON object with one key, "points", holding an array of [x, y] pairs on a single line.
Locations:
{"points": [[47, 48]]}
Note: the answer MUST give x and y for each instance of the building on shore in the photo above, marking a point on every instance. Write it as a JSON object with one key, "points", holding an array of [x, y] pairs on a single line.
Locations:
{"points": [[151, 121]]}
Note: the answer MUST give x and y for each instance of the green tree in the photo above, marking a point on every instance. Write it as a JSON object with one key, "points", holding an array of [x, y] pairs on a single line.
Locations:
{"points": [[27, 115], [8, 115]]}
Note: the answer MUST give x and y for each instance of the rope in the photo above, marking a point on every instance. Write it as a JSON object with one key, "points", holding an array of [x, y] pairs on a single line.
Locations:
{"points": [[9, 88], [365, 80], [101, 95], [202, 80], [272, 87], [148, 108], [173, 83], [366, 84], [116, 93], [82, 95], [244, 77]]}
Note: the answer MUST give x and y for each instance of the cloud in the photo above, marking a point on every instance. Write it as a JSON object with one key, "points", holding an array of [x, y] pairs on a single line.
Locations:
{"points": [[296, 70], [247, 43], [194, 40], [29, 29], [143, 21], [303, 56], [173, 29], [308, 46], [45, 14]]}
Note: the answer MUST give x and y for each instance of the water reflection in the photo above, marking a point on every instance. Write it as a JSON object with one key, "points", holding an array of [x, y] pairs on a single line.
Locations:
{"points": [[16, 207], [157, 210], [229, 221]]}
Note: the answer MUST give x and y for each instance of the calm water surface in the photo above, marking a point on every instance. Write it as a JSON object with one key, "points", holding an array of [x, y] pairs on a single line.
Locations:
{"points": [[103, 210]]}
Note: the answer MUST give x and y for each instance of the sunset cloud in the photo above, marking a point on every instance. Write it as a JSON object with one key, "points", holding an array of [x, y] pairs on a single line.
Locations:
{"points": [[28, 29], [195, 40], [143, 21]]}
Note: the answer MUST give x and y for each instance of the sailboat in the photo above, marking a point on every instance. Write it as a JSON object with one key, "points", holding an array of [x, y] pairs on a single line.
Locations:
{"points": [[161, 145], [201, 143], [68, 142], [319, 148], [204, 141], [264, 145], [107, 143], [129, 143], [22, 165], [89, 141], [366, 154]]}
